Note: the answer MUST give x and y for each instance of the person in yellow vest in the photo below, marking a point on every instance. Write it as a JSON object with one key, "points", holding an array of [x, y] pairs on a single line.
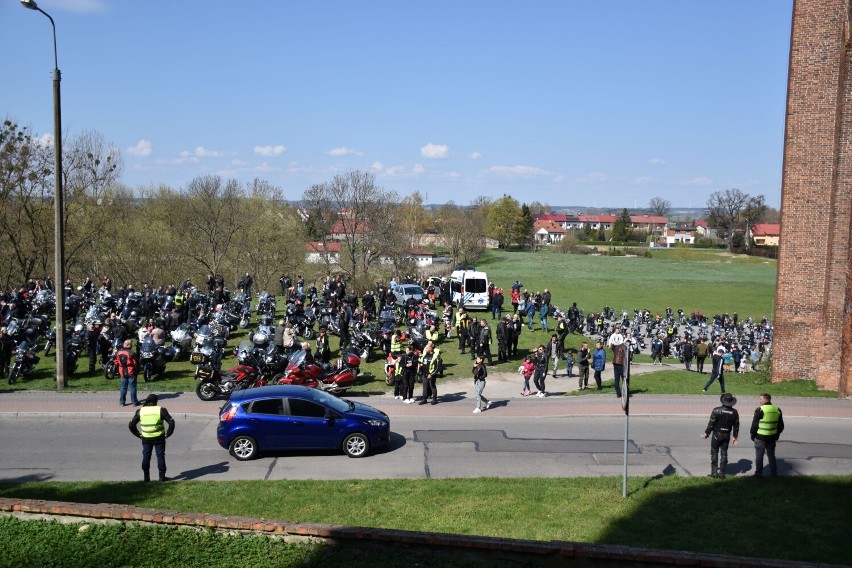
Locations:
{"points": [[766, 426], [153, 434], [432, 334]]}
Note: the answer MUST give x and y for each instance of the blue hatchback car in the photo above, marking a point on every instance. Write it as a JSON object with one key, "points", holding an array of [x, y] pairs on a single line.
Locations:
{"points": [[295, 417]]}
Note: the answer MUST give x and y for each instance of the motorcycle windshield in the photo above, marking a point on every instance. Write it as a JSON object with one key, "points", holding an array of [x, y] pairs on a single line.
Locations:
{"points": [[149, 345], [23, 346], [297, 358]]}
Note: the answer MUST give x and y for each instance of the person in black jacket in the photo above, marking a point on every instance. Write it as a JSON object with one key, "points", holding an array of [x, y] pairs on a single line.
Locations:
{"points": [[724, 425], [153, 435]]}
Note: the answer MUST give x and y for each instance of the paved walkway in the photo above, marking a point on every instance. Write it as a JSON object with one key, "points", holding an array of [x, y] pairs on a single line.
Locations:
{"points": [[456, 399]]}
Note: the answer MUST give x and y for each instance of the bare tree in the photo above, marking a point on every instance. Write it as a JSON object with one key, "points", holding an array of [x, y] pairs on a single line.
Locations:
{"points": [[660, 207], [366, 214], [728, 210]]}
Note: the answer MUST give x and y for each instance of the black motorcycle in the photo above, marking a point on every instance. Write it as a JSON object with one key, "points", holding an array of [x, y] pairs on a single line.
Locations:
{"points": [[302, 320], [153, 358], [265, 304], [25, 361]]}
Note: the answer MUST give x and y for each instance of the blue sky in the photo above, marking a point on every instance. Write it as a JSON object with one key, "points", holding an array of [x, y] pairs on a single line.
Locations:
{"points": [[606, 103]]}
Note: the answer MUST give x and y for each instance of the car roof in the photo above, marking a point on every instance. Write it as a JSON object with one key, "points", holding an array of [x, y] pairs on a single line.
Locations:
{"points": [[270, 391]]}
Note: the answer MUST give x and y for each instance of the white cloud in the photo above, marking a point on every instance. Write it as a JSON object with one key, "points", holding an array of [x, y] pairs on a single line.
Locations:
{"points": [[395, 171], [697, 181], [474, 155], [418, 169], [83, 6], [657, 162], [44, 140], [435, 151], [522, 171], [377, 166], [344, 151], [203, 152], [141, 149], [270, 151], [644, 180]]}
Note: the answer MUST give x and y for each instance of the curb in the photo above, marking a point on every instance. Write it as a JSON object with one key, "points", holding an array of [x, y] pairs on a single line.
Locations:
{"points": [[551, 552]]}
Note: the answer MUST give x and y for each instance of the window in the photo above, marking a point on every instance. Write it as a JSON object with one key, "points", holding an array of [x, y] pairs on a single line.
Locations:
{"points": [[306, 408], [475, 285], [268, 406]]}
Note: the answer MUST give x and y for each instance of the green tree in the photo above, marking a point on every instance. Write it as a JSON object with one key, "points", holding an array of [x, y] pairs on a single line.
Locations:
{"points": [[526, 237], [504, 218], [621, 229]]}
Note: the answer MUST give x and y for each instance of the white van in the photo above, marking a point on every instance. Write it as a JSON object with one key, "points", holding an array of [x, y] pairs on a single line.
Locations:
{"points": [[469, 288]]}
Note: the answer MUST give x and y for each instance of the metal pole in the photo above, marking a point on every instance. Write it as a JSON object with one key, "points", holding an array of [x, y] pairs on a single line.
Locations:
{"points": [[626, 405], [59, 211]]}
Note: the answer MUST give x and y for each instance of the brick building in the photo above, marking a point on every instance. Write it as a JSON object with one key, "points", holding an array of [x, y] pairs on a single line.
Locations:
{"points": [[813, 304]]}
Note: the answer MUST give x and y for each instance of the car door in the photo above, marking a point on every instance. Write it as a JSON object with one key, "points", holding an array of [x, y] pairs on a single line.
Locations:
{"points": [[268, 422], [311, 425]]}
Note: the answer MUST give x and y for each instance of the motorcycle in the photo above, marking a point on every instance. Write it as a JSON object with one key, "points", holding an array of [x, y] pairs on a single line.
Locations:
{"points": [[335, 380], [211, 383], [153, 358], [265, 304], [182, 339], [363, 341], [25, 361]]}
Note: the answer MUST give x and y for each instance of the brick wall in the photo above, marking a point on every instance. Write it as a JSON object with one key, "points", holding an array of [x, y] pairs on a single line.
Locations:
{"points": [[813, 292]]}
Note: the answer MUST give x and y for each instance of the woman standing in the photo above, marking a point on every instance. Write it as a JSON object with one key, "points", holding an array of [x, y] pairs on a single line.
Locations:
{"points": [[480, 371], [540, 370], [598, 364]]}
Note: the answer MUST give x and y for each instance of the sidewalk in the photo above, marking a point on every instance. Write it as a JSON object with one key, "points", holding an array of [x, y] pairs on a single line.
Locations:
{"points": [[456, 399]]}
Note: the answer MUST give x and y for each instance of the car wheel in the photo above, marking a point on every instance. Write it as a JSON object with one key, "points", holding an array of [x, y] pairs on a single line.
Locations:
{"points": [[356, 445], [243, 448], [205, 391]]}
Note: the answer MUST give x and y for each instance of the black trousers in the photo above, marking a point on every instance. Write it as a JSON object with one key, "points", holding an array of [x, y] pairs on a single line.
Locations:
{"points": [[462, 339], [719, 445], [430, 389], [158, 446]]}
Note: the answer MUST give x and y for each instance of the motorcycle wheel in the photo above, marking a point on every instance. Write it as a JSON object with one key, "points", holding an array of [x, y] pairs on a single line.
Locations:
{"points": [[13, 375], [244, 323], [109, 372], [205, 391], [356, 445], [309, 333], [47, 347], [147, 374]]}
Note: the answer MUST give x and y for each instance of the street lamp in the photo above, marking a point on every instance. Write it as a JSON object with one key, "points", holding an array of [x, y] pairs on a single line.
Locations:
{"points": [[59, 213]]}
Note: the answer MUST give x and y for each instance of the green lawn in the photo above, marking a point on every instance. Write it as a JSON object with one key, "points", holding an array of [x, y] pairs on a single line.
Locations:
{"points": [[792, 518]]}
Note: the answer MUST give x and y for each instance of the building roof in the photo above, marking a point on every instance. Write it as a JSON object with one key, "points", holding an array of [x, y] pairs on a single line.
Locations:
{"points": [[329, 247], [597, 218], [557, 217], [766, 230], [649, 219], [421, 252], [345, 225], [549, 226]]}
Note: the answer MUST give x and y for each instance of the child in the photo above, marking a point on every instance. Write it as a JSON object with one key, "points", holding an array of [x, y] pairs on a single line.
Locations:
{"points": [[527, 369], [569, 364]]}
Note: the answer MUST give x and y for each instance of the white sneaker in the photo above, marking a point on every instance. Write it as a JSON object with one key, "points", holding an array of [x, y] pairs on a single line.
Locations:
{"points": [[407, 401], [476, 411], [541, 394], [487, 405], [410, 400]]}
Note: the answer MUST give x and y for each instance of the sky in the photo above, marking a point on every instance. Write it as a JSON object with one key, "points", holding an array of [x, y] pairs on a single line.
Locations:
{"points": [[603, 104]]}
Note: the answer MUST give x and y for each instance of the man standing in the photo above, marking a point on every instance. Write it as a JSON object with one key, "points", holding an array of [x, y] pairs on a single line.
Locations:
{"points": [[583, 363], [153, 435], [724, 424], [462, 326], [502, 337], [701, 350], [687, 351], [718, 371], [127, 367], [484, 347], [561, 330], [553, 351], [619, 359], [766, 426]]}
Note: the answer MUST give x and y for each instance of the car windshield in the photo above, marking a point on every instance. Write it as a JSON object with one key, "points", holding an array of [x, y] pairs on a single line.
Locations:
{"points": [[413, 290]]}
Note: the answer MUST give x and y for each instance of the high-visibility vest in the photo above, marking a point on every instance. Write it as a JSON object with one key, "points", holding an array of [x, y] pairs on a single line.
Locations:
{"points": [[151, 421], [768, 425]]}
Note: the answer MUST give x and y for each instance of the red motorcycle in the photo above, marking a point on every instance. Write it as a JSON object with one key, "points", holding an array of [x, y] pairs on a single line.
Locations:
{"points": [[335, 380], [211, 383]]}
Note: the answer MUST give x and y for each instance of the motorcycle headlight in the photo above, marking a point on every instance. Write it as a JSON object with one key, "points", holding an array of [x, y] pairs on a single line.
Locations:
{"points": [[376, 423]]}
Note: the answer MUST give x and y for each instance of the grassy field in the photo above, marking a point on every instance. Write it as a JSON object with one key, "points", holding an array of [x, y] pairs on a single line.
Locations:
{"points": [[709, 281], [792, 518]]}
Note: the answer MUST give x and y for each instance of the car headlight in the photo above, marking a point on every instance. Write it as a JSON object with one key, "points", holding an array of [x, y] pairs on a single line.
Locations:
{"points": [[376, 423]]}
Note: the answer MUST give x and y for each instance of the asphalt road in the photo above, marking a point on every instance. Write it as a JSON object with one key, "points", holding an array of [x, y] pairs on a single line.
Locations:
{"points": [[422, 446]]}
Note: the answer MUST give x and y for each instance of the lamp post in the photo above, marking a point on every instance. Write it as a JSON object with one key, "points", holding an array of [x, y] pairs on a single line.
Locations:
{"points": [[59, 212]]}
